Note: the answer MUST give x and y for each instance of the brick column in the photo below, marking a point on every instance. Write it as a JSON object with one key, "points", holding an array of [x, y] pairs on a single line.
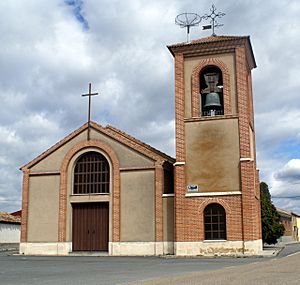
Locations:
{"points": [[159, 186], [25, 198], [179, 173], [250, 202]]}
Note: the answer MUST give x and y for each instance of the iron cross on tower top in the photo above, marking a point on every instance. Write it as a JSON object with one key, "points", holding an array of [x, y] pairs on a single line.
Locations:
{"points": [[90, 94], [213, 19]]}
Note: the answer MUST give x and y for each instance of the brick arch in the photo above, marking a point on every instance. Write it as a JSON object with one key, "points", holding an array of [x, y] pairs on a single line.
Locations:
{"points": [[196, 85], [62, 218], [219, 201], [208, 201]]}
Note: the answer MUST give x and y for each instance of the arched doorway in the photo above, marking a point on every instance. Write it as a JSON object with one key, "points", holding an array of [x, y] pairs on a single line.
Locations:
{"points": [[91, 220]]}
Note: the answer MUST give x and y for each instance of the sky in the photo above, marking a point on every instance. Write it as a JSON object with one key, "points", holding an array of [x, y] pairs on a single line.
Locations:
{"points": [[51, 50]]}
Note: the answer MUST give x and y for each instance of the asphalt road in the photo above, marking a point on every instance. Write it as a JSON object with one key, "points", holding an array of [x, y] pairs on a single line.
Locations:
{"points": [[284, 270], [118, 270]]}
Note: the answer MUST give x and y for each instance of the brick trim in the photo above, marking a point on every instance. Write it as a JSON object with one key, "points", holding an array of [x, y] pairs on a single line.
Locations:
{"points": [[55, 147], [211, 200], [134, 143], [179, 168], [111, 132], [115, 187], [142, 168], [25, 198], [44, 173], [196, 98], [159, 186], [250, 204], [179, 107]]}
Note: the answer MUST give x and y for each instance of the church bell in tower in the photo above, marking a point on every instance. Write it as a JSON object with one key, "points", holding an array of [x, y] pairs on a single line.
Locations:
{"points": [[212, 105]]}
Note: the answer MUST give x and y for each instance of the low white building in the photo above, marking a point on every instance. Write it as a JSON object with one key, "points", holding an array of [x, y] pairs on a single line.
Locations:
{"points": [[9, 228]]}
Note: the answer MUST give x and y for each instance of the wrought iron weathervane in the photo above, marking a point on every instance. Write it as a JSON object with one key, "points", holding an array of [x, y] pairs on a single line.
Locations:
{"points": [[213, 16], [188, 20]]}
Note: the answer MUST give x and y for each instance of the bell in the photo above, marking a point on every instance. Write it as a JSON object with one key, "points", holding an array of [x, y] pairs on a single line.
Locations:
{"points": [[212, 100]]}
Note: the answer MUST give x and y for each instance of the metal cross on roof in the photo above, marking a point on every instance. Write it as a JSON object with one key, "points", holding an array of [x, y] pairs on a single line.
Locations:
{"points": [[90, 94], [213, 21]]}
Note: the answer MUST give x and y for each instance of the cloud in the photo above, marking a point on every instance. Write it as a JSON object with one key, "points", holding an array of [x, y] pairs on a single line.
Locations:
{"points": [[290, 172], [277, 126], [285, 186]]}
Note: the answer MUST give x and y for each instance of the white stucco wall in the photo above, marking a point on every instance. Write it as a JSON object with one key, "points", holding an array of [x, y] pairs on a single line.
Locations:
{"points": [[9, 233]]}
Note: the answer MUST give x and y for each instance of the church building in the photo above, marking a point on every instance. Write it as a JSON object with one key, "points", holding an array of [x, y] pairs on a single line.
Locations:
{"points": [[100, 189]]}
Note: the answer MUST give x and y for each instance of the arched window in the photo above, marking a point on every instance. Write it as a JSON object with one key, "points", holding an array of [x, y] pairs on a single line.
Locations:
{"points": [[211, 91], [91, 174], [214, 222]]}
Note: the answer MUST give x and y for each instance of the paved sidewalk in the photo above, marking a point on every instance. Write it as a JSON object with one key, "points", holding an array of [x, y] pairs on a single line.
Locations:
{"points": [[272, 250], [279, 271]]}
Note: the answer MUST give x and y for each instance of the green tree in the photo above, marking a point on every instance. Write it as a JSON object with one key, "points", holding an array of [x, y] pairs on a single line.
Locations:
{"points": [[272, 229]]}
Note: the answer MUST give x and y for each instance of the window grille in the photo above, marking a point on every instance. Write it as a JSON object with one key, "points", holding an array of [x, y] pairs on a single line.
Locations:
{"points": [[215, 222], [91, 174]]}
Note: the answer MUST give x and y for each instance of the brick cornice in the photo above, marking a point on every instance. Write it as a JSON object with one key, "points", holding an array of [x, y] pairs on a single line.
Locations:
{"points": [[54, 147], [214, 45], [111, 132], [138, 145]]}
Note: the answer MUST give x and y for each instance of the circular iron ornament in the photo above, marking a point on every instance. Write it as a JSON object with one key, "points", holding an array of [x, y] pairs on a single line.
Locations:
{"points": [[187, 20]]}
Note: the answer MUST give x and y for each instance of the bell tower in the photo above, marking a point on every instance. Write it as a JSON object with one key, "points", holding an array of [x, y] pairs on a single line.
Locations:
{"points": [[217, 201]]}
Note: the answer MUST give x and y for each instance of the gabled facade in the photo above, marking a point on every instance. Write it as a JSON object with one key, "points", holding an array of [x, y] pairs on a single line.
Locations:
{"points": [[103, 194]]}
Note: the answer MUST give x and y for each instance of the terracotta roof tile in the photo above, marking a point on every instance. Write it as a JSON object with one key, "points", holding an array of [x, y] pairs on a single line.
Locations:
{"points": [[8, 218], [209, 39]]}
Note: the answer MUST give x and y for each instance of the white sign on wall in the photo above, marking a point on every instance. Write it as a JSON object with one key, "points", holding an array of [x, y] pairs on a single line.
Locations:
{"points": [[192, 188]]}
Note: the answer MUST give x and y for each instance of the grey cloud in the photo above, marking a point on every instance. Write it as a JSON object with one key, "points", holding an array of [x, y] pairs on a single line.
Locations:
{"points": [[290, 172]]}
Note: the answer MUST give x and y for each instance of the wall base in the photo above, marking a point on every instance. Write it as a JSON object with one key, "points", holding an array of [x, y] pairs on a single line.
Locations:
{"points": [[115, 248], [140, 248], [253, 247], [45, 248], [204, 248], [218, 248]]}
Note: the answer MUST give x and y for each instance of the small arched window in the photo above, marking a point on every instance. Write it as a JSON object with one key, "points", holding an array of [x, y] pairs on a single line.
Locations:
{"points": [[91, 174], [214, 222], [211, 91]]}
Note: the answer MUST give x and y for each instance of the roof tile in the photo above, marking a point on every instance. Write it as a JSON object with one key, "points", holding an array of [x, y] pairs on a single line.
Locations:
{"points": [[8, 218], [209, 39]]}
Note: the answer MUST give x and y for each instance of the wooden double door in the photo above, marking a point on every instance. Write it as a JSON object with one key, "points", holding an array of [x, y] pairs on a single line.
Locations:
{"points": [[90, 226]]}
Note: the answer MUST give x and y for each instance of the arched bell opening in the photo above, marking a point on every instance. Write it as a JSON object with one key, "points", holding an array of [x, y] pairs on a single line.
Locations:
{"points": [[211, 91]]}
